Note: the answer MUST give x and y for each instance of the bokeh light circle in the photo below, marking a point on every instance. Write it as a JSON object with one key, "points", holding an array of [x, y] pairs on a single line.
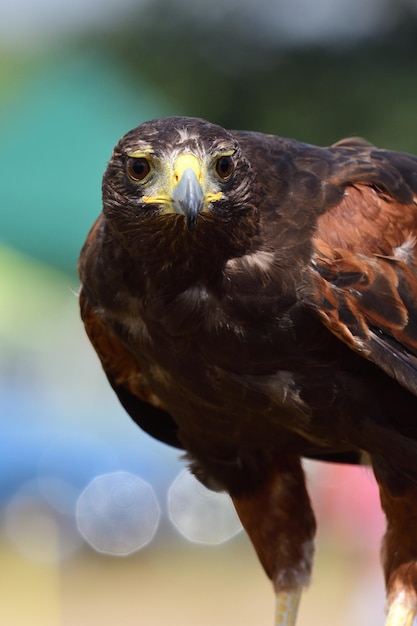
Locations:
{"points": [[38, 531], [118, 513], [199, 514]]}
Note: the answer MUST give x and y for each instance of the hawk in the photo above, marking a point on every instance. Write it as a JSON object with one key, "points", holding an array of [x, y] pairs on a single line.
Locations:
{"points": [[253, 301]]}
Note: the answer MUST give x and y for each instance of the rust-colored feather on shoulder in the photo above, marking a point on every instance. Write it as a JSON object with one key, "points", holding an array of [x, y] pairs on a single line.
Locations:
{"points": [[118, 362], [369, 302]]}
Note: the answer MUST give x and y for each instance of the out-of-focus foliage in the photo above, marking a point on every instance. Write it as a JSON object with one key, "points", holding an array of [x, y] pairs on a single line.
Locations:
{"points": [[59, 124], [240, 64], [221, 69]]}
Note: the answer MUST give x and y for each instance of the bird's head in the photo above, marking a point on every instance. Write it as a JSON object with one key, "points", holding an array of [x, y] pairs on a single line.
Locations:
{"points": [[174, 173]]}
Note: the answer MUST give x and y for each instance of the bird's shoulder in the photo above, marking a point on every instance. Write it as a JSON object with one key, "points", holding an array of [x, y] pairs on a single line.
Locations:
{"points": [[348, 212], [364, 263]]}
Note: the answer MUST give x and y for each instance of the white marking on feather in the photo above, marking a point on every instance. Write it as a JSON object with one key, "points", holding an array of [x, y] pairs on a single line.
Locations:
{"points": [[301, 571], [261, 260], [185, 134], [280, 388], [196, 292], [135, 324], [161, 375], [284, 389], [232, 264], [405, 252], [136, 327]]}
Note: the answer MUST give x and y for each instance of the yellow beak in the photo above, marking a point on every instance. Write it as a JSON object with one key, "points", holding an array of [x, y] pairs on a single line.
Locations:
{"points": [[187, 197]]}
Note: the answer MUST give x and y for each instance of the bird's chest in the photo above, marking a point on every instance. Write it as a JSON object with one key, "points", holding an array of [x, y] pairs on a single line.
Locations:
{"points": [[192, 330], [202, 355]]}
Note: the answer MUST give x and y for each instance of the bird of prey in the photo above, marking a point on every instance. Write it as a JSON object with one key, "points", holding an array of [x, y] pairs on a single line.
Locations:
{"points": [[253, 301]]}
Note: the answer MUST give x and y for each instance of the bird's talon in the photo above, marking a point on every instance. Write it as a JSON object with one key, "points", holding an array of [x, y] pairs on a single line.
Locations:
{"points": [[286, 607], [400, 615]]}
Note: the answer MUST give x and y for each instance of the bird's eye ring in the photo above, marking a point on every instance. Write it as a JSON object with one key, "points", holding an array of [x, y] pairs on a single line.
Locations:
{"points": [[137, 168], [224, 167]]}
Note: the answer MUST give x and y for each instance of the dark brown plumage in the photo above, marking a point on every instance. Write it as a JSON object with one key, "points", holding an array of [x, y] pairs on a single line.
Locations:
{"points": [[253, 300]]}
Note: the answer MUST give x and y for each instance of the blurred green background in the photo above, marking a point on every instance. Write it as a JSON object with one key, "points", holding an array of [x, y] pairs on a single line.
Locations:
{"points": [[74, 77]]}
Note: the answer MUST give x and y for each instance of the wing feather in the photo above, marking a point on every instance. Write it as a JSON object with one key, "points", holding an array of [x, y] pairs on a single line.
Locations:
{"points": [[364, 266], [121, 367]]}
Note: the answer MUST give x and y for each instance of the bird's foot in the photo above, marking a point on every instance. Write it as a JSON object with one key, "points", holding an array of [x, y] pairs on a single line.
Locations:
{"points": [[401, 612], [287, 603]]}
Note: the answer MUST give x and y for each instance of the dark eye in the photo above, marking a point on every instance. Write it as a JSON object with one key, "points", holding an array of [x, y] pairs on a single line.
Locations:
{"points": [[224, 167], [137, 168]]}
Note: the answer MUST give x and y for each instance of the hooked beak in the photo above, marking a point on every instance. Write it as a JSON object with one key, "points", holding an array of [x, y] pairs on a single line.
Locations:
{"points": [[188, 197], [187, 192]]}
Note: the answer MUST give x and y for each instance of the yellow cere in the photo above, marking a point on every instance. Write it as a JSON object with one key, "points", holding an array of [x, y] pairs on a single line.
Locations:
{"points": [[183, 162]]}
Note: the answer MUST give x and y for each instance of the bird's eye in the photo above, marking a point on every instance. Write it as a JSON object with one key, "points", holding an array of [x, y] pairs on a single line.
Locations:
{"points": [[137, 168], [224, 167]]}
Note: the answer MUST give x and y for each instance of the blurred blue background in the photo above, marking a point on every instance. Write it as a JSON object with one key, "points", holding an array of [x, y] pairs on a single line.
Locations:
{"points": [[74, 78]]}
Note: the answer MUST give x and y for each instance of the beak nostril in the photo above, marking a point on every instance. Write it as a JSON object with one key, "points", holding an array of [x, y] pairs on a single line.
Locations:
{"points": [[188, 196]]}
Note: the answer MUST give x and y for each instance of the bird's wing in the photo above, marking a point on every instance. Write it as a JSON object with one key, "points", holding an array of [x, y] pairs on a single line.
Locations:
{"points": [[364, 266], [122, 368]]}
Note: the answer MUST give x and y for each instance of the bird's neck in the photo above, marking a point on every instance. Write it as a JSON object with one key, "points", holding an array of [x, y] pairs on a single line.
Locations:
{"points": [[177, 258]]}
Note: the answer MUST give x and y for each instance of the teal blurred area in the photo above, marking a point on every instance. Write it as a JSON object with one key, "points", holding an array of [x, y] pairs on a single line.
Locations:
{"points": [[57, 131], [71, 83]]}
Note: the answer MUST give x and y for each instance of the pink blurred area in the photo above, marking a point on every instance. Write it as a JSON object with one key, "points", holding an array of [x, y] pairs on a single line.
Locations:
{"points": [[346, 501]]}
